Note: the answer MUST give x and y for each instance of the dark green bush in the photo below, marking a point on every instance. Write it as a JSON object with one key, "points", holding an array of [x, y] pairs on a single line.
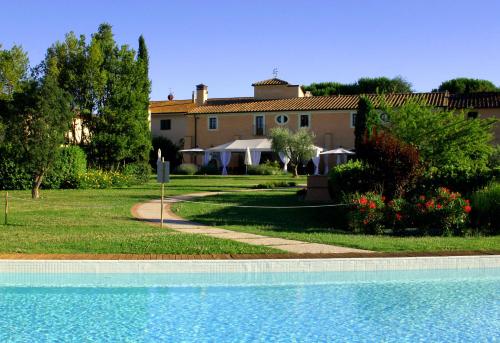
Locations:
{"points": [[464, 180], [275, 184], [70, 163], [349, 178], [138, 172], [267, 168], [209, 169], [186, 169], [169, 151], [12, 173], [485, 215]]}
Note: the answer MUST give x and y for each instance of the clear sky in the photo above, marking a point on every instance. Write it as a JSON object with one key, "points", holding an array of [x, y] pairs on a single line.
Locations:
{"points": [[229, 44]]}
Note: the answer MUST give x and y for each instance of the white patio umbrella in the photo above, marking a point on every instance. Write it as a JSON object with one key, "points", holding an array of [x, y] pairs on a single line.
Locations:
{"points": [[248, 159], [340, 152]]}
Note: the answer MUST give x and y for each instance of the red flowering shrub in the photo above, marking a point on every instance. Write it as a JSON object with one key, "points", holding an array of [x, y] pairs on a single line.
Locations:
{"points": [[441, 212], [397, 215], [367, 214]]}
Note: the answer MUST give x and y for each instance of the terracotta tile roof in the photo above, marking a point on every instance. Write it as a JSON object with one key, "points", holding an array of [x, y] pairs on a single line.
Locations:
{"points": [[172, 106], [338, 102], [271, 82], [225, 101], [475, 100]]}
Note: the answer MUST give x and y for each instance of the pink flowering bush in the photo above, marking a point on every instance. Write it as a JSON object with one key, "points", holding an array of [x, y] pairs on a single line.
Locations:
{"points": [[441, 212]]}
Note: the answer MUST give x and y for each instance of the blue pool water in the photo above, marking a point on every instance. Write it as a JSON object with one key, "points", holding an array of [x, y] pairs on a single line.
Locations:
{"points": [[432, 306]]}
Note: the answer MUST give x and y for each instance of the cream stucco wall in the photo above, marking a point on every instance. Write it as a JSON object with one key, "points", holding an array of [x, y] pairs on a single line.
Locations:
{"points": [[332, 129], [277, 92], [177, 129]]}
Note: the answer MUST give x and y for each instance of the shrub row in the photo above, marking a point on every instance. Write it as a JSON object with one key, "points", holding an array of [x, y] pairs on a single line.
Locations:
{"points": [[441, 212], [69, 170], [267, 168], [275, 184]]}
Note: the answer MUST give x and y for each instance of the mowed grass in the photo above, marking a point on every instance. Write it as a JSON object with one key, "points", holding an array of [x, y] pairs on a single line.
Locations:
{"points": [[319, 225], [100, 221]]}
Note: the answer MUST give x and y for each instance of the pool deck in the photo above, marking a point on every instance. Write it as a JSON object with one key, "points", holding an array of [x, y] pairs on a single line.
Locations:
{"points": [[150, 212]]}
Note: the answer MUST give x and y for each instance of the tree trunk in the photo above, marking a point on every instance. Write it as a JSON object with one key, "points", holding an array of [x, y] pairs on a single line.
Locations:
{"points": [[35, 191], [295, 170]]}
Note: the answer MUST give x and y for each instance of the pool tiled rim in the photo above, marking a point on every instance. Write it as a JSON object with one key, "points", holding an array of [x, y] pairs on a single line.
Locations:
{"points": [[250, 266]]}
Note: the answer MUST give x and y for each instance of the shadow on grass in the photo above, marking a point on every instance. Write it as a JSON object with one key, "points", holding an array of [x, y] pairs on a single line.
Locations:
{"points": [[305, 220]]}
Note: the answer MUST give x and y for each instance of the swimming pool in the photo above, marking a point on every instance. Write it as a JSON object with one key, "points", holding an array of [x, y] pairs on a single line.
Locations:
{"points": [[374, 306]]}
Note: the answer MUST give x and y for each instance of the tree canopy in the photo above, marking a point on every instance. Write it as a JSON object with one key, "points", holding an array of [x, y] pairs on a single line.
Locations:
{"points": [[110, 87], [38, 117], [14, 65], [363, 86], [464, 85], [297, 146], [442, 137]]}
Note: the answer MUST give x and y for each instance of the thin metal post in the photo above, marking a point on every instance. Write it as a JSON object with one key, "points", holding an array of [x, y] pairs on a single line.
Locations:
{"points": [[161, 211], [6, 208]]}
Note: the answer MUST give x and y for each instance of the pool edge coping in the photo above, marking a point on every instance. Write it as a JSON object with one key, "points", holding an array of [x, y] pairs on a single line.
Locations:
{"points": [[250, 266]]}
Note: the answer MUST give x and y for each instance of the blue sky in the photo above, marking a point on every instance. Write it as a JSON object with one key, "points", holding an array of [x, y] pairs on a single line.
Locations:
{"points": [[230, 44]]}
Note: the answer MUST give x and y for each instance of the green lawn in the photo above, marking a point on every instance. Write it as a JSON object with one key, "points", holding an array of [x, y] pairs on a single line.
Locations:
{"points": [[99, 221], [312, 224]]}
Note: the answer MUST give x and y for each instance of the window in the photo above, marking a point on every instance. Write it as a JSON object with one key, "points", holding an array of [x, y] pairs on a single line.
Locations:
{"points": [[353, 119], [281, 119], [165, 124], [259, 125], [472, 115], [304, 120], [213, 123]]}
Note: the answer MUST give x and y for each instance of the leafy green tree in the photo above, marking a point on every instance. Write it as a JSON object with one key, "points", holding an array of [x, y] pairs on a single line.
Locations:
{"points": [[464, 85], [443, 138], [297, 146], [110, 87], [14, 65], [40, 115], [363, 86]]}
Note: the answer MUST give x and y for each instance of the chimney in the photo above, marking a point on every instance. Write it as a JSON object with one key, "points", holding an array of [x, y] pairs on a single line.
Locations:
{"points": [[201, 94]]}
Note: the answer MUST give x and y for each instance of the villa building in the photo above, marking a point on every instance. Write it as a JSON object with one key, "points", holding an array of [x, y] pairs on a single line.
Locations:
{"points": [[204, 122]]}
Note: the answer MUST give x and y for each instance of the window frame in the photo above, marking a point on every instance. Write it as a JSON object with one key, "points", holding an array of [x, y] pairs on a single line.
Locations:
{"points": [[255, 116], [281, 115], [216, 123], [352, 119], [309, 121], [169, 121]]}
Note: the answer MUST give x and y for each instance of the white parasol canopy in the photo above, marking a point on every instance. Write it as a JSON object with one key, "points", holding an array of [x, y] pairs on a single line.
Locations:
{"points": [[193, 150], [241, 145], [338, 151]]}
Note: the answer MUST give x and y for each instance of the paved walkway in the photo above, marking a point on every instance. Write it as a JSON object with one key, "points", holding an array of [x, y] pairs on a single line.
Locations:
{"points": [[150, 211]]}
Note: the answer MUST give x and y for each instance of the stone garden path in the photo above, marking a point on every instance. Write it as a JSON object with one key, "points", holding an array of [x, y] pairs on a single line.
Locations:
{"points": [[150, 211]]}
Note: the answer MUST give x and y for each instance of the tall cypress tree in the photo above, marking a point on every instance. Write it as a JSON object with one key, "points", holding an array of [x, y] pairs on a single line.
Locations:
{"points": [[364, 106]]}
